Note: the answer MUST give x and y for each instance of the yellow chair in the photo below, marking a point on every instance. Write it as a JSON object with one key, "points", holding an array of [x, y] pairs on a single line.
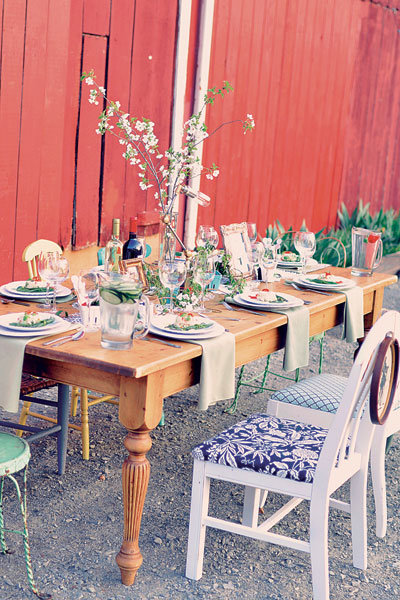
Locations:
{"points": [[87, 399]]}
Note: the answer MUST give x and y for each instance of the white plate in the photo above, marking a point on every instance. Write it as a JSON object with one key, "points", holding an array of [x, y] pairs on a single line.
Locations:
{"points": [[330, 287], [6, 320], [199, 335], [161, 322], [10, 289], [290, 301], [64, 326]]}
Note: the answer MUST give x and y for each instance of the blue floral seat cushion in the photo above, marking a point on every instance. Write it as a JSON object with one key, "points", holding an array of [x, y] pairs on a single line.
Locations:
{"points": [[267, 444], [322, 392]]}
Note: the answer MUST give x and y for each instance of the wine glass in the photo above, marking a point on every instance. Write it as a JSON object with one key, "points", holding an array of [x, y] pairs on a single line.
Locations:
{"points": [[53, 269], [304, 242], [207, 236], [203, 273], [89, 292], [254, 256], [172, 274], [252, 231]]}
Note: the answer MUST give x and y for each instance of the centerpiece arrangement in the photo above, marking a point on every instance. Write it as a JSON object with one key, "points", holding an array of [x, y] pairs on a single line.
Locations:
{"points": [[166, 171]]}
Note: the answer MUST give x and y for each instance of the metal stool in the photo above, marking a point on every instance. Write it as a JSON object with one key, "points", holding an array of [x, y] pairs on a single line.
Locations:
{"points": [[14, 456]]}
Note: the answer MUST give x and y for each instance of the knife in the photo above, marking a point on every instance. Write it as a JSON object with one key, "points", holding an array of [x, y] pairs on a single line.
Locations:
{"points": [[12, 301]]}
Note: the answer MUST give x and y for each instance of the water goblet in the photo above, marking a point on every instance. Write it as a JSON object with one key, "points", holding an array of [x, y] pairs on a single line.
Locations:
{"points": [[207, 236], [269, 261], [252, 232], [304, 242], [53, 269], [89, 292], [172, 274], [203, 273]]}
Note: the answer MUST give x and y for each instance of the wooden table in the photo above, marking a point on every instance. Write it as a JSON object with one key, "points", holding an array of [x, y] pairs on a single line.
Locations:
{"points": [[145, 375]]}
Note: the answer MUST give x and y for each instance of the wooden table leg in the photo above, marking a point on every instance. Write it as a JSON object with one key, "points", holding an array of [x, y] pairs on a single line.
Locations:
{"points": [[135, 479], [371, 317], [140, 410]]}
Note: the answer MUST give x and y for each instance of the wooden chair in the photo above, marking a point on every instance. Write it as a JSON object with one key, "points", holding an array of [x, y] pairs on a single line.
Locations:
{"points": [[316, 401], [87, 399], [296, 459], [330, 251]]}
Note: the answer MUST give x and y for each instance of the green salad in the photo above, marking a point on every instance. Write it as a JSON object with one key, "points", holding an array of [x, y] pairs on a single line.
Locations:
{"points": [[29, 321], [189, 327], [33, 290], [324, 281]]}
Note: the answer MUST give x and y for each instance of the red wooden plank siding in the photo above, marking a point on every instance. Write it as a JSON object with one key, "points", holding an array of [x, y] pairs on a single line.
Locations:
{"points": [[89, 147], [32, 125], [96, 17], [118, 88], [53, 132], [10, 109], [153, 61], [71, 121], [372, 159]]}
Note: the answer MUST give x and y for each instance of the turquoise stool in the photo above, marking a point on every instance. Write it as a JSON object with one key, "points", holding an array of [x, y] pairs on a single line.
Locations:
{"points": [[14, 456]]}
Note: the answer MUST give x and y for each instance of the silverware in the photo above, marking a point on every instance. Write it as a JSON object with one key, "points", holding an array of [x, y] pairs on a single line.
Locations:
{"points": [[12, 301], [301, 289], [254, 312], [147, 339], [76, 335]]}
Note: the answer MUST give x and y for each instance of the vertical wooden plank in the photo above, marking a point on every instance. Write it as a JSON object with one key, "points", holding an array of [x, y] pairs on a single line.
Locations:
{"points": [[32, 125], [10, 109], [71, 121], [153, 60], [96, 17], [89, 147], [118, 88], [52, 151]]}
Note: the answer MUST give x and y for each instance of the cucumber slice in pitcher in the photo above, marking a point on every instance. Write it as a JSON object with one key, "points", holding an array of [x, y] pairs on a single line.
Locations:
{"points": [[110, 296]]}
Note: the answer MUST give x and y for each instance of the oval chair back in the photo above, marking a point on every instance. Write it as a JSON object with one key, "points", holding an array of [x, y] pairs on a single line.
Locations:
{"points": [[33, 250]]}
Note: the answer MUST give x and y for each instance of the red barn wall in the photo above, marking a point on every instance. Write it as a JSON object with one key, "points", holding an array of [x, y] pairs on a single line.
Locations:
{"points": [[320, 78]]}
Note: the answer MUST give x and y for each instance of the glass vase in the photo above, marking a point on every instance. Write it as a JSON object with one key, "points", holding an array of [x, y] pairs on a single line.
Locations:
{"points": [[167, 238]]}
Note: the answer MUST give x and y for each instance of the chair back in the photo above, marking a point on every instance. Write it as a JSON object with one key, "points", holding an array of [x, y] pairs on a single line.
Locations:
{"points": [[33, 250], [351, 431], [331, 250]]}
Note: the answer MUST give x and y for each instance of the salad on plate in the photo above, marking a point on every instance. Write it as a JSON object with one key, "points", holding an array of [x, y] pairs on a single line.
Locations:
{"points": [[187, 321], [325, 278], [33, 320], [266, 296], [289, 257], [32, 286]]}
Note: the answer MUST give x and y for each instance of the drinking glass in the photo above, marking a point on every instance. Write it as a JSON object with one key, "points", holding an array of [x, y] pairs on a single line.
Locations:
{"points": [[304, 242], [252, 231], [203, 273], [89, 291], [254, 258], [207, 236], [172, 274], [53, 269], [269, 261]]}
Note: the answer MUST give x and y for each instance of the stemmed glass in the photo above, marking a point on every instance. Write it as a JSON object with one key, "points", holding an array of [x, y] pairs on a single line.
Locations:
{"points": [[203, 273], [53, 269], [89, 291], [172, 274], [254, 256], [269, 261], [252, 231], [207, 236], [304, 242]]}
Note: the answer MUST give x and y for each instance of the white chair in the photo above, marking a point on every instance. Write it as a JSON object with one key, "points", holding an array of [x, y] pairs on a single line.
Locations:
{"points": [[297, 459], [316, 401]]}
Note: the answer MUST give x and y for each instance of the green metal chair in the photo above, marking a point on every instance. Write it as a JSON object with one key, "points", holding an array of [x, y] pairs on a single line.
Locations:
{"points": [[14, 457], [330, 251]]}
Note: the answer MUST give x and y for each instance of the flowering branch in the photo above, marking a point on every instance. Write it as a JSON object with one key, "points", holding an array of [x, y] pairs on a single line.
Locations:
{"points": [[141, 144]]}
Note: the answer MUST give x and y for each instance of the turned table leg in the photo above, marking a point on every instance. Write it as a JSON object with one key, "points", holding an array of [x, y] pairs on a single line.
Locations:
{"points": [[140, 409], [135, 478]]}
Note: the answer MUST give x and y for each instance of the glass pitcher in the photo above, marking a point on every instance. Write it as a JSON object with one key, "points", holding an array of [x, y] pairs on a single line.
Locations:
{"points": [[124, 313], [366, 251]]}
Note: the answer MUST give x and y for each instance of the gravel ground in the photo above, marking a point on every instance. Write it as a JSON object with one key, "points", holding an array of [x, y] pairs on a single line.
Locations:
{"points": [[76, 520]]}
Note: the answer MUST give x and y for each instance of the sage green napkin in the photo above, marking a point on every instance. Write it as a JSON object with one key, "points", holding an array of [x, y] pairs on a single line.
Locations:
{"points": [[217, 376], [12, 350], [297, 334], [353, 322]]}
